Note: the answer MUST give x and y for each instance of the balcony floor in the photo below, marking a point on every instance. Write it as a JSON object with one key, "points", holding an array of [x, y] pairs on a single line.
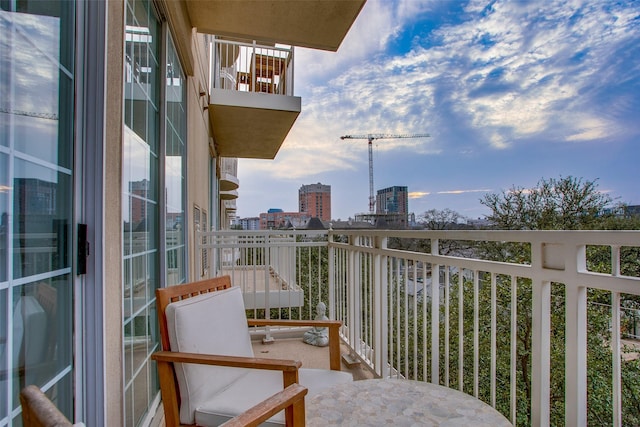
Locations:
{"points": [[310, 356]]}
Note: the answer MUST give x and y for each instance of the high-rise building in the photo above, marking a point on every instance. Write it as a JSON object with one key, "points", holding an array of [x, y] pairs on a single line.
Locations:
{"points": [[392, 200], [315, 199], [393, 203]]}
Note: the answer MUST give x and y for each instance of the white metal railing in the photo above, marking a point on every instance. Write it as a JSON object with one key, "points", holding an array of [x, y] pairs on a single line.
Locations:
{"points": [[251, 67], [229, 165], [445, 312], [280, 272]]}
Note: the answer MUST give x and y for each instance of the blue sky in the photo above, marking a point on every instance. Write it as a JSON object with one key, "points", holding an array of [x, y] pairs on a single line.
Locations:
{"points": [[510, 91]]}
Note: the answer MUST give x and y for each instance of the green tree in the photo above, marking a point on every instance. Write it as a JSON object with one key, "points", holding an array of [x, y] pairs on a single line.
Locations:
{"points": [[445, 219], [566, 203]]}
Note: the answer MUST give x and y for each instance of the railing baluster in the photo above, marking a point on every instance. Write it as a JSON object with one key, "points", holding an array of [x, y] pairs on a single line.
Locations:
{"points": [[446, 324], [398, 316], [615, 341], [617, 359], [425, 326], [514, 348], [494, 349], [406, 319], [415, 314], [435, 314], [460, 330], [476, 331]]}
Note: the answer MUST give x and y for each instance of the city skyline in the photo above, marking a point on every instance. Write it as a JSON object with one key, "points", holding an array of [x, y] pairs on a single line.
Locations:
{"points": [[511, 93]]}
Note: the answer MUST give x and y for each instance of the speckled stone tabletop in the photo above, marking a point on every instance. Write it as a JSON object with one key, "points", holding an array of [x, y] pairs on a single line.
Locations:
{"points": [[400, 403]]}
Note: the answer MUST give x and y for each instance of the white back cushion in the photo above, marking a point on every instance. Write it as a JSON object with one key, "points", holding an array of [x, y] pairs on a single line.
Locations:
{"points": [[212, 323]]}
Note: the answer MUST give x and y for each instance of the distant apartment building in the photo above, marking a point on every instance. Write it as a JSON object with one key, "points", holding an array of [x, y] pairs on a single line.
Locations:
{"points": [[392, 207], [277, 218], [392, 200], [252, 223], [315, 199]]}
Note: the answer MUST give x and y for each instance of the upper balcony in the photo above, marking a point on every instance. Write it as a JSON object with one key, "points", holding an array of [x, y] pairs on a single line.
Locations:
{"points": [[229, 174], [548, 334], [252, 107], [317, 24]]}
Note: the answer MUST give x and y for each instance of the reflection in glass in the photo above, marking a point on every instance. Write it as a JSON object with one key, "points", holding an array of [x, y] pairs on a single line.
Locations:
{"points": [[41, 231], [37, 85], [41, 317], [140, 190], [37, 55], [4, 349], [4, 218], [174, 167]]}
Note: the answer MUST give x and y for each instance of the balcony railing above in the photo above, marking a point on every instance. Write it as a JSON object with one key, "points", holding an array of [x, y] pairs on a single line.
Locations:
{"points": [[520, 320], [252, 107], [251, 67]]}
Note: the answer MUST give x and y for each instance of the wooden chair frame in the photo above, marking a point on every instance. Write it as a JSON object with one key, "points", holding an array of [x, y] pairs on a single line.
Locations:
{"points": [[39, 411], [290, 399], [166, 358]]}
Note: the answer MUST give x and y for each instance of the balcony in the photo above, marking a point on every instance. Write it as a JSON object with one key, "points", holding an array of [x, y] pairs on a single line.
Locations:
{"points": [[229, 174], [317, 24], [522, 336], [252, 107]]}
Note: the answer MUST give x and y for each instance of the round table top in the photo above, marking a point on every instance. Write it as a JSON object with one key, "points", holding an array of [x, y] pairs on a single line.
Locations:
{"points": [[400, 403]]}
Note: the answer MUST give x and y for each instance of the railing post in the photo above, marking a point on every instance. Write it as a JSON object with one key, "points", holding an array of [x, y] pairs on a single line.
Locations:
{"points": [[353, 312], [540, 341], [291, 79], [253, 68], [380, 306], [267, 308], [198, 252], [576, 340], [435, 315], [331, 253], [541, 351], [615, 341]]}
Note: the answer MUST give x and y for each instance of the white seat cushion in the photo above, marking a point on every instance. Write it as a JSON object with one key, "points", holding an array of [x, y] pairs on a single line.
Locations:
{"points": [[216, 323], [212, 323], [257, 386]]}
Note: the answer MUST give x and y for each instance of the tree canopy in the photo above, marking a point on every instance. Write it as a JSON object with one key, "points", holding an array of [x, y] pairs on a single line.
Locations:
{"points": [[566, 203]]}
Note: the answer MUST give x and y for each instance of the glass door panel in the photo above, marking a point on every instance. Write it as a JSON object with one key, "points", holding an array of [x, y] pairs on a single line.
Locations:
{"points": [[36, 201]]}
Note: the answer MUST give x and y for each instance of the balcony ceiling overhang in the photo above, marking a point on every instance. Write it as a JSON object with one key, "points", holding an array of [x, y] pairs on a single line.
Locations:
{"points": [[251, 125], [318, 24], [228, 182], [228, 195]]}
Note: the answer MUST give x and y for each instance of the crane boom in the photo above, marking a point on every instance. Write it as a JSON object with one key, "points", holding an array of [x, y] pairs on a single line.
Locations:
{"points": [[370, 137]]}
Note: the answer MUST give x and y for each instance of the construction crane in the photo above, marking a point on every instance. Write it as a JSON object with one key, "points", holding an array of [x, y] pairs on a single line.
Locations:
{"points": [[370, 137], [48, 116]]}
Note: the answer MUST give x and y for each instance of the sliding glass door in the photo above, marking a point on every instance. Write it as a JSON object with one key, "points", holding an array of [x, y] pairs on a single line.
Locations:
{"points": [[36, 202]]}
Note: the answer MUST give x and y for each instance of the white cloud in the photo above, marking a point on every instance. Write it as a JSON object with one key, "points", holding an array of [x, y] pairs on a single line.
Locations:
{"points": [[508, 88], [484, 190], [504, 74], [418, 194]]}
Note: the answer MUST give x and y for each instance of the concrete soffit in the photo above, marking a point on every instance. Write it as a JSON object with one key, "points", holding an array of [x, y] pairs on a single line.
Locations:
{"points": [[316, 24], [175, 12]]}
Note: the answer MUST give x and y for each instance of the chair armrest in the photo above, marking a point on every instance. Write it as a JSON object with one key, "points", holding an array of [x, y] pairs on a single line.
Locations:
{"points": [[291, 399], [231, 361], [278, 322], [334, 334]]}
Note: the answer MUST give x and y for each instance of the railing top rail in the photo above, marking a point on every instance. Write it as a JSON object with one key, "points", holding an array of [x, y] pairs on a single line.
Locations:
{"points": [[252, 44], [589, 237]]}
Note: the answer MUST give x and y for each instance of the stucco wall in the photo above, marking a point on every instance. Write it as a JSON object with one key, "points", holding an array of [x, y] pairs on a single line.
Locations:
{"points": [[198, 155]]}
